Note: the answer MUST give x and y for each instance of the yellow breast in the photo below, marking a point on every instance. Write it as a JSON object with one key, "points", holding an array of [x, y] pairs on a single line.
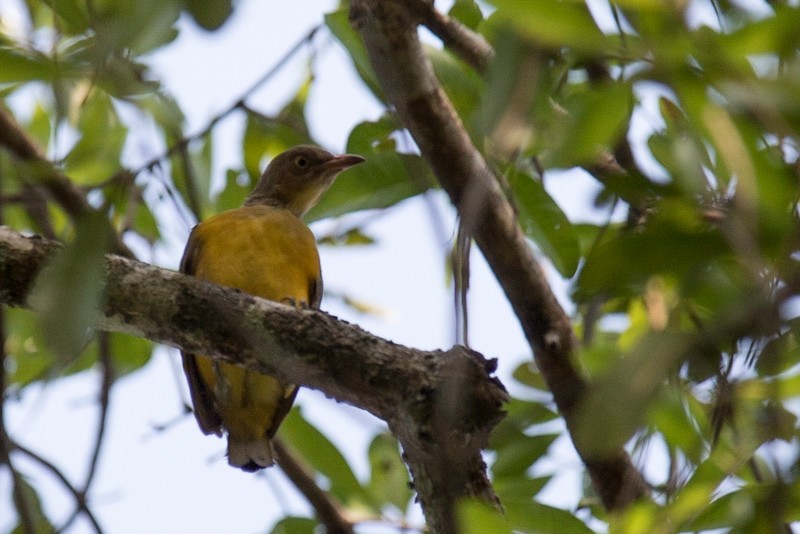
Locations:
{"points": [[264, 251]]}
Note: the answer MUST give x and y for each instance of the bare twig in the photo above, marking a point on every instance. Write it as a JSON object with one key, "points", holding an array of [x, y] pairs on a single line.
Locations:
{"points": [[79, 496], [326, 508], [106, 381], [21, 502]]}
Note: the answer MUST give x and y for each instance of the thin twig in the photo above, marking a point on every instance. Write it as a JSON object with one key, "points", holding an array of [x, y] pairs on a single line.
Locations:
{"points": [[21, 501], [326, 508], [106, 381], [79, 496]]}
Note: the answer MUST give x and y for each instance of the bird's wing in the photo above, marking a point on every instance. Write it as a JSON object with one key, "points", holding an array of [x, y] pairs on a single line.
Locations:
{"points": [[205, 411]]}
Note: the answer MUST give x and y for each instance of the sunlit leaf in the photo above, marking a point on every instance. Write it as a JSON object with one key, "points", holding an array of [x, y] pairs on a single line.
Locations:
{"points": [[544, 222], [389, 479], [323, 456], [384, 179], [666, 246], [476, 517], [210, 14], [33, 508], [339, 24], [467, 12], [532, 516], [68, 292], [24, 66], [97, 154], [519, 488], [270, 135], [461, 83], [552, 23], [594, 121], [295, 525], [528, 374], [518, 455]]}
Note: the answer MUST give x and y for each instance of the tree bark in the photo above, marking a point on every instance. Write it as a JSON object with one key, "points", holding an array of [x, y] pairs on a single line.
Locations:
{"points": [[406, 76], [409, 389]]}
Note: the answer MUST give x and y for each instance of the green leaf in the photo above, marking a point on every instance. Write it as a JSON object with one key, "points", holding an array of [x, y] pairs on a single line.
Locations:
{"points": [[779, 354], [384, 179], [467, 12], [209, 14], [668, 245], [269, 136], [295, 525], [339, 24], [519, 488], [552, 23], [461, 83], [25, 66], [594, 122], [532, 516], [28, 356], [724, 512], [323, 456], [620, 397], [671, 417], [515, 457], [237, 187], [68, 292], [97, 154], [545, 223], [477, 517], [527, 373], [129, 353], [138, 27], [33, 506], [389, 480]]}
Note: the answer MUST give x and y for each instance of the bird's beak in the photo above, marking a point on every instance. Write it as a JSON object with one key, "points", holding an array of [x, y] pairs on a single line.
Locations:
{"points": [[340, 163]]}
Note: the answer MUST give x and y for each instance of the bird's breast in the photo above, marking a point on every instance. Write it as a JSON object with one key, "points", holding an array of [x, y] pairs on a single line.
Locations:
{"points": [[263, 251]]}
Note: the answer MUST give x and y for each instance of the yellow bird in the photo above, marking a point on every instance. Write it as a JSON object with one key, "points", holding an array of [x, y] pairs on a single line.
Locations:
{"points": [[262, 248]]}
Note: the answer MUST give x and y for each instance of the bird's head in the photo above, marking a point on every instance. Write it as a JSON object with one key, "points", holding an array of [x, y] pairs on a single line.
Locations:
{"points": [[296, 178]]}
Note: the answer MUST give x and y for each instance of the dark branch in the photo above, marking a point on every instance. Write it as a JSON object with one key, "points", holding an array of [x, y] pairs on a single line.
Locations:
{"points": [[463, 42], [400, 385], [326, 508], [409, 83]]}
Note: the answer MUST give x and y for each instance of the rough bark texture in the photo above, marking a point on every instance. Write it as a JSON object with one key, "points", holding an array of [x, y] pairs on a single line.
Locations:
{"points": [[406, 76], [407, 388]]}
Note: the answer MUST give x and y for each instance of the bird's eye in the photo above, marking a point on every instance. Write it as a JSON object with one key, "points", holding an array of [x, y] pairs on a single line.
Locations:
{"points": [[301, 162]]}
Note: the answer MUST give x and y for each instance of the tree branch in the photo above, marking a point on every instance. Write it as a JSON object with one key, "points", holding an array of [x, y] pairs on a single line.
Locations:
{"points": [[407, 388], [409, 83], [325, 506], [463, 42]]}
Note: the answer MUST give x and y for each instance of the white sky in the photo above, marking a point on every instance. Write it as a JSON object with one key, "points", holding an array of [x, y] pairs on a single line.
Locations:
{"points": [[164, 482]]}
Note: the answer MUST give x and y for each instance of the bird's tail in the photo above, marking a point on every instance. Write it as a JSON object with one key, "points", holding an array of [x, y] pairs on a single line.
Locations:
{"points": [[250, 454]]}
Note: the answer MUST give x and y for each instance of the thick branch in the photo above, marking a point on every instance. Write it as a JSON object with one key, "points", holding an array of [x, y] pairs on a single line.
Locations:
{"points": [[403, 386], [406, 77]]}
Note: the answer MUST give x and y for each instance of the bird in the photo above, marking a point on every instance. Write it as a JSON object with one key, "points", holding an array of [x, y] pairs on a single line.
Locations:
{"points": [[265, 249]]}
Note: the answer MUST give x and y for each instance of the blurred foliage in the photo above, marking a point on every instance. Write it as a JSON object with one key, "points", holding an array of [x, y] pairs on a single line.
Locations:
{"points": [[685, 309]]}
